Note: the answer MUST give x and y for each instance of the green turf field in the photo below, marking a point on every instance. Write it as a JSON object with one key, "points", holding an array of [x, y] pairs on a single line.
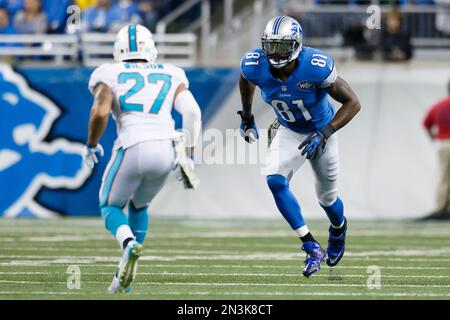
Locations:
{"points": [[198, 259]]}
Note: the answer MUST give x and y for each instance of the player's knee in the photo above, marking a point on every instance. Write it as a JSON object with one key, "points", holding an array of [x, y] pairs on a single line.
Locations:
{"points": [[327, 199], [277, 183], [136, 208]]}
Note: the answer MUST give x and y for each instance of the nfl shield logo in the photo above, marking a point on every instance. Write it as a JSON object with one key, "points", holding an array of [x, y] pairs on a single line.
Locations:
{"points": [[283, 88]]}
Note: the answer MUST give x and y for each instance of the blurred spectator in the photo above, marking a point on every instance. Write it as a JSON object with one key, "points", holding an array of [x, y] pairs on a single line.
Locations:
{"points": [[31, 19], [149, 14], [443, 17], [98, 18], [5, 25], [13, 6], [85, 4], [437, 124], [57, 14], [356, 37], [123, 13], [395, 43]]}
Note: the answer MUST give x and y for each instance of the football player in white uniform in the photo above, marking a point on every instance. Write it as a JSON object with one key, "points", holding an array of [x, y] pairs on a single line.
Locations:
{"points": [[140, 94]]}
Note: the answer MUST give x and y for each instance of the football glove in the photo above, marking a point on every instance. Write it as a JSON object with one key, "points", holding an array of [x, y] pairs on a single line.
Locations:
{"points": [[314, 144], [90, 155], [184, 164], [248, 128]]}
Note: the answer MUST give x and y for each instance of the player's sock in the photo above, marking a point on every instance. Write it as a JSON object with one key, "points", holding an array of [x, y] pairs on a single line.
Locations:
{"points": [[117, 223], [308, 237], [138, 221], [335, 214], [286, 203]]}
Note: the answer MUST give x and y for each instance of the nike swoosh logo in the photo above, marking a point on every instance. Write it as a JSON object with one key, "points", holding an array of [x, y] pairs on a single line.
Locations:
{"points": [[332, 261]]}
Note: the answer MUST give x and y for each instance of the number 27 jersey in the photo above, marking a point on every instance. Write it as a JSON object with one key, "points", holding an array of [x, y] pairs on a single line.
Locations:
{"points": [[301, 103], [144, 95]]}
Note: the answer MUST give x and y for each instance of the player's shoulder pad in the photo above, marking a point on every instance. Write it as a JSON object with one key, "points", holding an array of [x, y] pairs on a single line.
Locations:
{"points": [[177, 73], [253, 65], [318, 67], [104, 74]]}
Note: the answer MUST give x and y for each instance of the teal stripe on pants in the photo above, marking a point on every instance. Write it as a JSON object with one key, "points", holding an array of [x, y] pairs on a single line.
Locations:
{"points": [[110, 177]]}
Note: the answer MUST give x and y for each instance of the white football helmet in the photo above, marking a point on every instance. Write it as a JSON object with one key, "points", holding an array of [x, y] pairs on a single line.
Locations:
{"points": [[282, 41], [134, 42]]}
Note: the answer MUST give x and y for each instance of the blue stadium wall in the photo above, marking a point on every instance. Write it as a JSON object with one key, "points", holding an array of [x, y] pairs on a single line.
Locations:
{"points": [[67, 89]]}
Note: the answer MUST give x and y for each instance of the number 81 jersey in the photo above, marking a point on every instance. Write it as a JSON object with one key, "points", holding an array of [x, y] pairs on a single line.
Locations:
{"points": [[301, 103], [144, 95]]}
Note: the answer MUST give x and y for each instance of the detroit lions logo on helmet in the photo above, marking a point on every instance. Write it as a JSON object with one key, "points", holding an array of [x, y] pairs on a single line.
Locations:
{"points": [[27, 162], [295, 28]]}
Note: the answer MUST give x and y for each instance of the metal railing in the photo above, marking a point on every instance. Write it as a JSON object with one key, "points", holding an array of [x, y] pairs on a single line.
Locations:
{"points": [[94, 48], [53, 48], [179, 49], [322, 22]]}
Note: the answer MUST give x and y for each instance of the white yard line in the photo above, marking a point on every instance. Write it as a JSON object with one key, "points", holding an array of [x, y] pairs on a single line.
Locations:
{"points": [[137, 293], [237, 284], [90, 263], [250, 256], [211, 274]]}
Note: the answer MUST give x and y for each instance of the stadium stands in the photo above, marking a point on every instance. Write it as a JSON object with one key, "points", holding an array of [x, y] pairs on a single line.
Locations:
{"points": [[338, 26]]}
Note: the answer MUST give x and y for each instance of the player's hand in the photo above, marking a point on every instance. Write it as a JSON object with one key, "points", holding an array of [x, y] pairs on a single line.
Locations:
{"points": [[314, 144], [90, 155], [190, 165], [248, 128]]}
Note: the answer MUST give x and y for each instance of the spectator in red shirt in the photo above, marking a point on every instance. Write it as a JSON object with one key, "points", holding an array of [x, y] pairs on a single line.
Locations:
{"points": [[437, 124]]}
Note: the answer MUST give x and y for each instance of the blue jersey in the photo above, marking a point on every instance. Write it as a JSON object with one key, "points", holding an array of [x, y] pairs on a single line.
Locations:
{"points": [[301, 103]]}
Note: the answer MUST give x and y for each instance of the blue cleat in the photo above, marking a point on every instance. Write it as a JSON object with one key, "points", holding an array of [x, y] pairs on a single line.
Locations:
{"points": [[336, 246], [314, 257]]}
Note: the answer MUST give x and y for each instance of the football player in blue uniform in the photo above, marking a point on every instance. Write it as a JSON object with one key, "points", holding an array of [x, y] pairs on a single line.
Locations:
{"points": [[296, 82]]}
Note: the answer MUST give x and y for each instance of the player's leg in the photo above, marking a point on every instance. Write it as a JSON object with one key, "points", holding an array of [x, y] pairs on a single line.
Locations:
{"points": [[283, 161], [138, 221], [443, 193], [326, 169], [120, 181], [156, 161]]}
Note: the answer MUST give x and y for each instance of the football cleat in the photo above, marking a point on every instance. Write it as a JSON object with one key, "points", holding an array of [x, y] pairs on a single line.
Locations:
{"points": [[314, 257], [128, 264], [336, 246], [115, 287]]}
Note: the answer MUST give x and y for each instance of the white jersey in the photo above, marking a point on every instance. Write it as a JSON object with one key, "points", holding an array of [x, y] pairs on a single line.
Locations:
{"points": [[144, 97]]}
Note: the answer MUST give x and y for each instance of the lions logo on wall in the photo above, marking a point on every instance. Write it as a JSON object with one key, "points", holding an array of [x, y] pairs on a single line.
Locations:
{"points": [[27, 162]]}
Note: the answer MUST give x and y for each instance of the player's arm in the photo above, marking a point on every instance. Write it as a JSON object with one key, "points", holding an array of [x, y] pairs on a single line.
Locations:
{"points": [[187, 106], [101, 108], [247, 90], [248, 127], [341, 92], [429, 123]]}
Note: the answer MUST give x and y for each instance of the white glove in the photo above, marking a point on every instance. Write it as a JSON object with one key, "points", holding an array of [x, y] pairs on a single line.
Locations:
{"points": [[90, 155], [190, 165]]}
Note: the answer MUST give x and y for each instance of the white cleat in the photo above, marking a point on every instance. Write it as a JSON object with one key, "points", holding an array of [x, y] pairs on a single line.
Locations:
{"points": [[127, 268], [128, 264], [115, 287]]}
